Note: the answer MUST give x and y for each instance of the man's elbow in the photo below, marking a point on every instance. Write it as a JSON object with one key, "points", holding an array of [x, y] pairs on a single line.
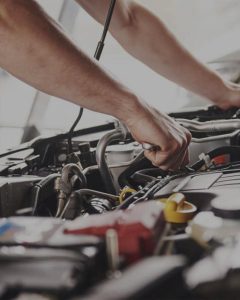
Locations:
{"points": [[127, 26], [14, 11], [4, 11]]}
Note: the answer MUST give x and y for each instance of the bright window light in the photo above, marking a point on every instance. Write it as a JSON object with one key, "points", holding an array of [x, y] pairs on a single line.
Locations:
{"points": [[16, 99], [10, 137], [213, 38]]}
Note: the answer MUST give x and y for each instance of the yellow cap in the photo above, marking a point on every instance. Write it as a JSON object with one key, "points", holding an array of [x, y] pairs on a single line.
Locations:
{"points": [[124, 192], [177, 209]]}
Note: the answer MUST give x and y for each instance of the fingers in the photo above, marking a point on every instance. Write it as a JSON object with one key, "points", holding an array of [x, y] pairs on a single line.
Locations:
{"points": [[231, 97], [186, 160], [159, 159], [172, 140], [176, 156], [182, 156]]}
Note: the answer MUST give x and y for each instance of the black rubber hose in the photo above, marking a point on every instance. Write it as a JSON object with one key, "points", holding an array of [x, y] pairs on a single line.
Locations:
{"points": [[106, 175], [138, 164], [37, 189], [148, 175], [69, 171]]}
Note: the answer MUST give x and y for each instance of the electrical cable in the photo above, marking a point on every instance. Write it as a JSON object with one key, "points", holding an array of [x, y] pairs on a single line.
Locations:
{"points": [[101, 44], [138, 195], [149, 190], [70, 134], [147, 175], [233, 151], [97, 56]]}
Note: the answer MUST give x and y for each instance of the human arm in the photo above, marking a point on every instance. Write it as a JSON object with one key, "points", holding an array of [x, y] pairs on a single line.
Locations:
{"points": [[35, 49], [146, 37]]}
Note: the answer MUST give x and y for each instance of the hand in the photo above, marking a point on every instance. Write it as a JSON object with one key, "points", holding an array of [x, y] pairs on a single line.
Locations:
{"points": [[229, 98], [150, 126]]}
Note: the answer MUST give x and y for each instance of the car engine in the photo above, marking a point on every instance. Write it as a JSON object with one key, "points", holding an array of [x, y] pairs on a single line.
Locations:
{"points": [[100, 222]]}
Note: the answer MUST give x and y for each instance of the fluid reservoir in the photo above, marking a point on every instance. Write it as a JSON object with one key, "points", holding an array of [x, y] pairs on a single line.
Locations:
{"points": [[221, 224], [121, 153], [119, 157]]}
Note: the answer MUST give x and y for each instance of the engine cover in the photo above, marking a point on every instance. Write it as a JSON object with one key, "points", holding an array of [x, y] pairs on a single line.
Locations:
{"points": [[202, 187]]}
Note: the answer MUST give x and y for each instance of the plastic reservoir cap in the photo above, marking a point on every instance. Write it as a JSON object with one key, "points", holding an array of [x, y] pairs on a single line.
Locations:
{"points": [[203, 227], [177, 209], [226, 208]]}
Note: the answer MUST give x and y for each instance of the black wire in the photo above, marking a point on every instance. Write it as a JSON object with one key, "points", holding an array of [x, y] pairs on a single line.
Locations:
{"points": [[71, 131], [100, 45], [97, 56], [141, 194]]}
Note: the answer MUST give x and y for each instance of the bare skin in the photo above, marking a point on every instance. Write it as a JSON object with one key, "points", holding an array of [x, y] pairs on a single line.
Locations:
{"points": [[146, 37], [35, 49]]}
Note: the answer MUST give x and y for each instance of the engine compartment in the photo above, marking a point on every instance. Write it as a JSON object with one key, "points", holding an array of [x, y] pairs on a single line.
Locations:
{"points": [[102, 223]]}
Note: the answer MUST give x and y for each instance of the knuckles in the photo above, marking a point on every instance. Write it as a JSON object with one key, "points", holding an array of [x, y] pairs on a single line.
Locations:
{"points": [[174, 154], [188, 136]]}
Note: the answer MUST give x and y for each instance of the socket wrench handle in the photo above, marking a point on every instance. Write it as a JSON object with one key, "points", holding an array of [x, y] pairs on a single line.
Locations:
{"points": [[150, 147]]}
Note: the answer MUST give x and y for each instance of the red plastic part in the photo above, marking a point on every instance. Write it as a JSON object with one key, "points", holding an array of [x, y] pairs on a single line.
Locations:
{"points": [[221, 160], [138, 228]]}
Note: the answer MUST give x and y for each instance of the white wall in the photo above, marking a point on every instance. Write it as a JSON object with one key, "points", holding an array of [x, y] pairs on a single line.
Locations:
{"points": [[209, 28], [53, 7]]}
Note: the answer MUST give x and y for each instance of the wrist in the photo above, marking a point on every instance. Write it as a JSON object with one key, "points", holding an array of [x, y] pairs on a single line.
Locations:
{"points": [[222, 92], [217, 89], [132, 108], [227, 94]]}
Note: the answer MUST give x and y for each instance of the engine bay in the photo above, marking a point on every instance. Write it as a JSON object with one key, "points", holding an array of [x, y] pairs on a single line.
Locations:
{"points": [[100, 222]]}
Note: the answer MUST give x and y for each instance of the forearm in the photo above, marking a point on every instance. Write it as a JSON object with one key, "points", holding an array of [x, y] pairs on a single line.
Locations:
{"points": [[35, 49], [147, 38]]}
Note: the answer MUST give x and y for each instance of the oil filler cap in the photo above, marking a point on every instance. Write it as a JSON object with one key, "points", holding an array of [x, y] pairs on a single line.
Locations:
{"points": [[226, 208], [177, 209]]}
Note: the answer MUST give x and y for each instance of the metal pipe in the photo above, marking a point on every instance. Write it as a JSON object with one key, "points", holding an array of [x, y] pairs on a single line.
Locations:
{"points": [[210, 126], [112, 249], [115, 166], [73, 169], [64, 185], [216, 137], [85, 192]]}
